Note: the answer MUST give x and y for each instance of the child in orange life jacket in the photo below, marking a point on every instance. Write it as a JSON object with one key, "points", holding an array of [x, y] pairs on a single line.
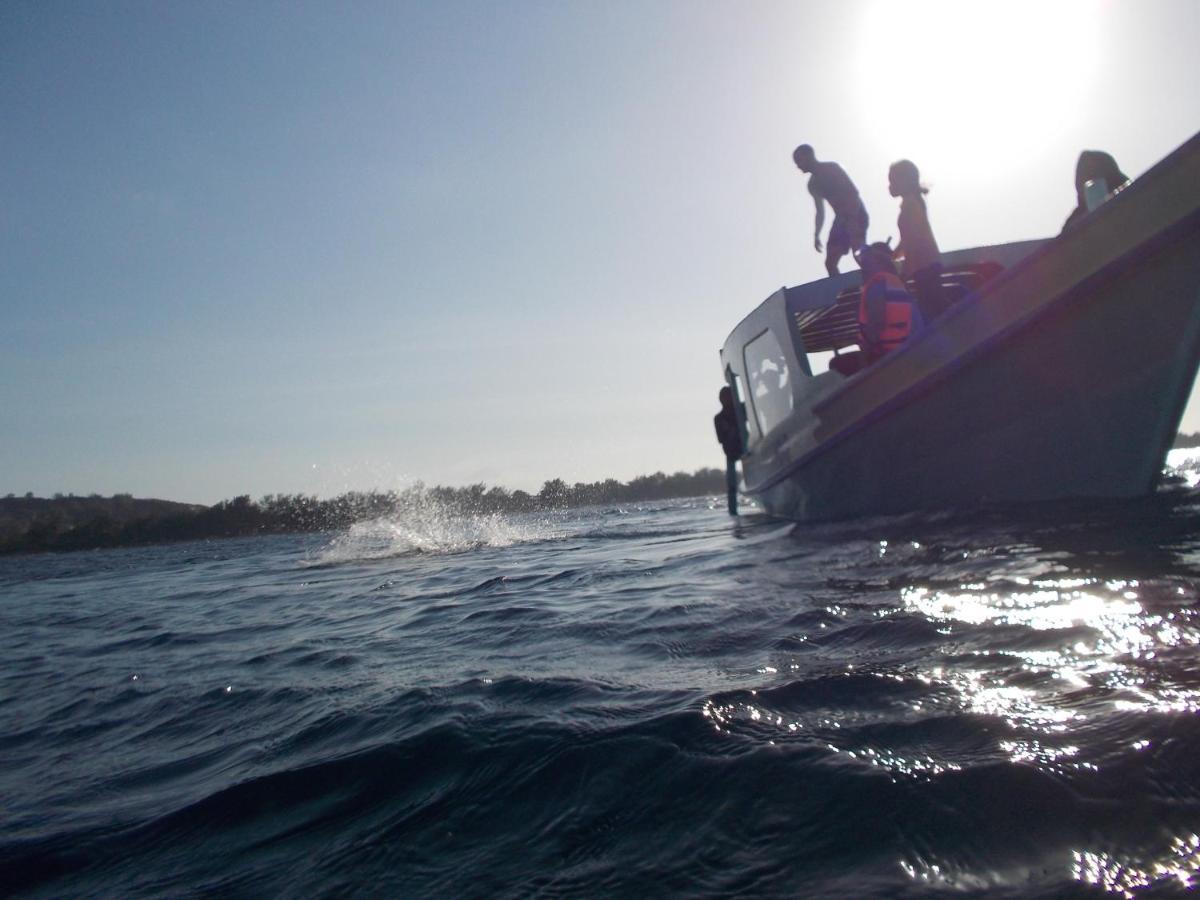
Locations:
{"points": [[918, 249], [887, 315]]}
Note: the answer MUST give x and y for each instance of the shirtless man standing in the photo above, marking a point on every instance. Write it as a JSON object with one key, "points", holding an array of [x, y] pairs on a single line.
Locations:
{"points": [[829, 183]]}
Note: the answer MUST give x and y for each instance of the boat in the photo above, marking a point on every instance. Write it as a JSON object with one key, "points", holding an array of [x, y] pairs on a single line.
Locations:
{"points": [[1061, 371]]}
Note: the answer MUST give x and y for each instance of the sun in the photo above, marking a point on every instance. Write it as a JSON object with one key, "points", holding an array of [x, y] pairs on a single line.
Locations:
{"points": [[957, 83]]}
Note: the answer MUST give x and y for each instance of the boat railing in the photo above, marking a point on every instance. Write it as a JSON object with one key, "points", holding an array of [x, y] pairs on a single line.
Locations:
{"points": [[835, 327]]}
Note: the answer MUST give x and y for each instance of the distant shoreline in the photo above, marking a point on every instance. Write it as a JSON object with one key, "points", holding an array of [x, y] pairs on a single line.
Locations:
{"points": [[31, 524]]}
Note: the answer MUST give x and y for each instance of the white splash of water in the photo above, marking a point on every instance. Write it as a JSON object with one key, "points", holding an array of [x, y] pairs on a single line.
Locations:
{"points": [[420, 523], [1184, 462]]}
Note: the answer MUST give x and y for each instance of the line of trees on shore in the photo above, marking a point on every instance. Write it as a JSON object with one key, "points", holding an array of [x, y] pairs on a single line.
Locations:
{"points": [[31, 524]]}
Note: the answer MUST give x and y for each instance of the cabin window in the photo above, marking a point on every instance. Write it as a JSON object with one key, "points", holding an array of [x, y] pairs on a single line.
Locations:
{"points": [[770, 384]]}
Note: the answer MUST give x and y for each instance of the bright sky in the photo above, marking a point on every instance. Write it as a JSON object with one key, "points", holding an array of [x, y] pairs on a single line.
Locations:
{"points": [[251, 247]]}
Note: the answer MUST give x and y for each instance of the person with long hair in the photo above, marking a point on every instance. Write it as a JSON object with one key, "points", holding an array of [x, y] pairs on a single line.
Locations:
{"points": [[921, 261]]}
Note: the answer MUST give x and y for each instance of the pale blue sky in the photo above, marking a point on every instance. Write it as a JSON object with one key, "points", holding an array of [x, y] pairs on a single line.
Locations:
{"points": [[276, 247]]}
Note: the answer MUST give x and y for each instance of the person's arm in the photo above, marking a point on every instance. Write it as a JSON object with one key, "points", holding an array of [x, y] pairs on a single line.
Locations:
{"points": [[819, 202]]}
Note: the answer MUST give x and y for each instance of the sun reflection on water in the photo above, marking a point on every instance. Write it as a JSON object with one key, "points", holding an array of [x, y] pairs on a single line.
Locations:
{"points": [[1065, 654], [818, 730], [1177, 865], [1105, 624], [1063, 697], [1180, 863]]}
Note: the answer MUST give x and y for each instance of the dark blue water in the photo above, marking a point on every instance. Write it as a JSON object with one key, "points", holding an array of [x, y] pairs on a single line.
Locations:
{"points": [[645, 700]]}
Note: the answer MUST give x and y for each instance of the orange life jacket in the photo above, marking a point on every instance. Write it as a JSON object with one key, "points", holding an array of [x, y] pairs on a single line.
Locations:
{"points": [[898, 313]]}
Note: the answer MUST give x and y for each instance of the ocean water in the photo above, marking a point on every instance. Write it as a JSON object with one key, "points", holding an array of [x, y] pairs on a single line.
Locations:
{"points": [[654, 699]]}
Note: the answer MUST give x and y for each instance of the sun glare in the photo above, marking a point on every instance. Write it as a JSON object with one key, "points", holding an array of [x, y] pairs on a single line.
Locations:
{"points": [[936, 76]]}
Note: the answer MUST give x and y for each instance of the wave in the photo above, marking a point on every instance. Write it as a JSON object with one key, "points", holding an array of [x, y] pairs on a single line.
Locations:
{"points": [[486, 799]]}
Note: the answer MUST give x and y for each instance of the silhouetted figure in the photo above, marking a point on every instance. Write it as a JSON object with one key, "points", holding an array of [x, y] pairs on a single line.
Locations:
{"points": [[729, 433], [1101, 169], [887, 315], [921, 261], [828, 182]]}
